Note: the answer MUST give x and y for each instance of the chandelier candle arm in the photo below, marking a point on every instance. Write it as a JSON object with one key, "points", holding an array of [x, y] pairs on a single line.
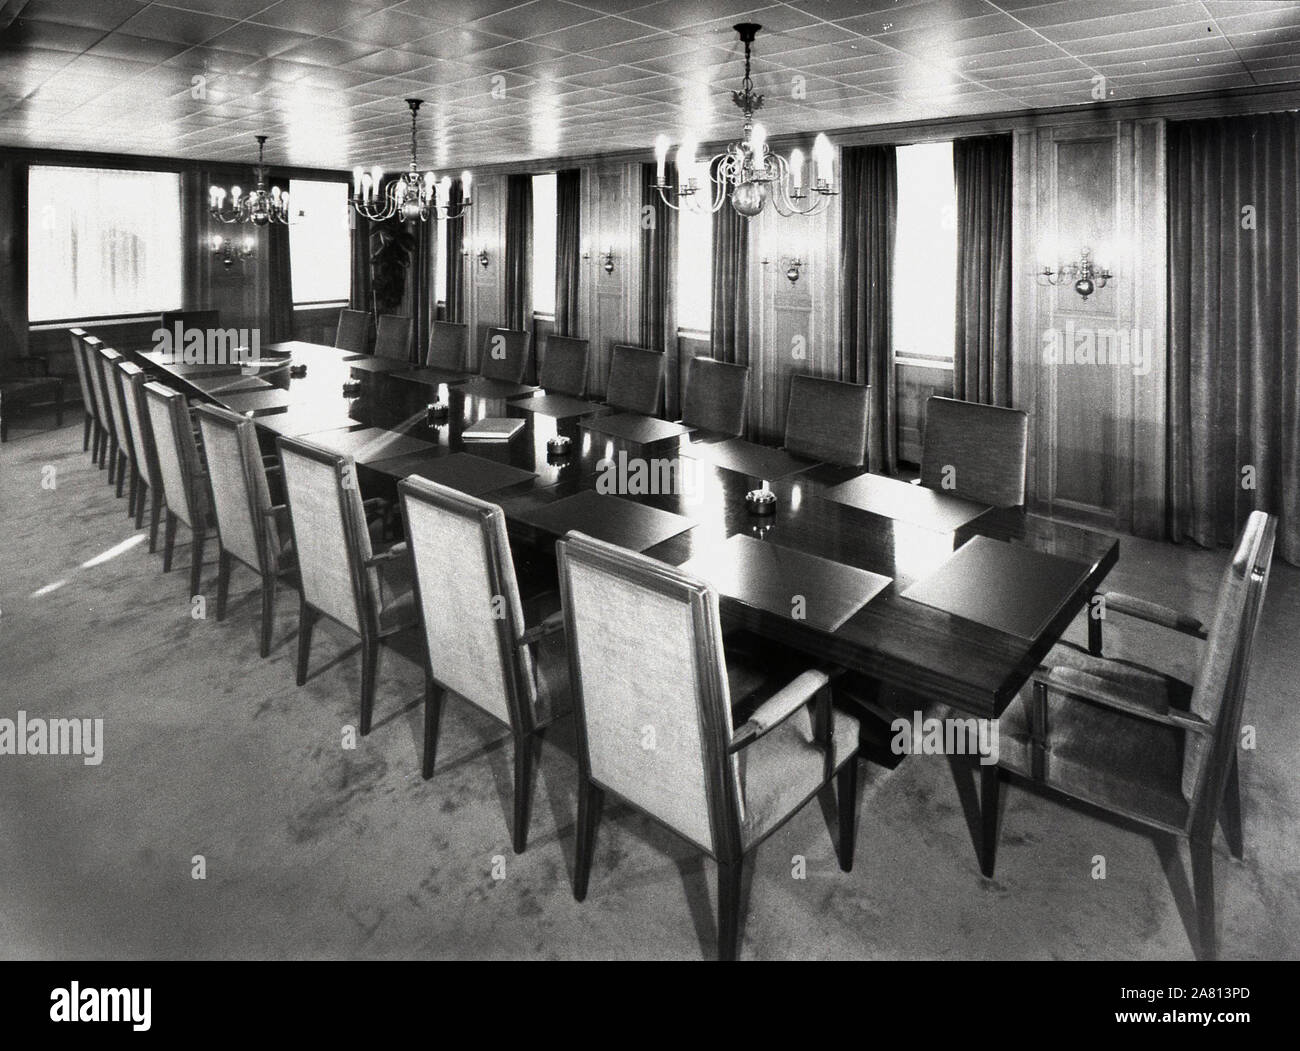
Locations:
{"points": [[412, 195], [261, 207]]}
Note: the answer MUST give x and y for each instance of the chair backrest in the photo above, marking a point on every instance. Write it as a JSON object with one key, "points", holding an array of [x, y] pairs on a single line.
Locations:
{"points": [[646, 655], [240, 495], [329, 533], [505, 355], [717, 395], [353, 328], [565, 369], [133, 379], [178, 456], [75, 336], [448, 346], [94, 369], [113, 362], [1220, 691], [975, 451], [203, 319], [393, 338], [636, 380], [469, 599], [828, 420]]}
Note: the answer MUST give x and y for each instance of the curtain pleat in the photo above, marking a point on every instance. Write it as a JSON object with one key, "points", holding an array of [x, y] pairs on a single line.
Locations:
{"points": [[279, 277], [568, 249], [658, 279], [455, 233], [13, 259], [729, 314], [982, 354], [1234, 327], [421, 295], [519, 251], [359, 285], [197, 230], [868, 220]]}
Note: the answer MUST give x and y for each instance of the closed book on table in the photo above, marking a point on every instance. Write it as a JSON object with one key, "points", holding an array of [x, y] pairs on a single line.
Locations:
{"points": [[497, 429]]}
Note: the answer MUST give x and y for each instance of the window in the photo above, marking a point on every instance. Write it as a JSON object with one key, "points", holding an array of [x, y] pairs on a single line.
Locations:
{"points": [[695, 270], [544, 244], [320, 246], [102, 243], [925, 253]]}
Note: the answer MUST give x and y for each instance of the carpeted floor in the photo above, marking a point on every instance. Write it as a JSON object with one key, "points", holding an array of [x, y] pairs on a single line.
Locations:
{"points": [[312, 850]]}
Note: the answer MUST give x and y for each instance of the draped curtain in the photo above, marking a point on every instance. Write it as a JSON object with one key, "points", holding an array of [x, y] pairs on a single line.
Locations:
{"points": [[568, 249], [279, 277], [729, 314], [359, 289], [519, 251], [658, 280], [1234, 327], [455, 233], [421, 293], [196, 233], [982, 355], [13, 260], [868, 219]]}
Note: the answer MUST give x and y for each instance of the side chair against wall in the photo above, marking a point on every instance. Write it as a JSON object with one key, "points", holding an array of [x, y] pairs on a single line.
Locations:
{"points": [[979, 452], [113, 362], [341, 575], [828, 420], [109, 450], [505, 355], [393, 337], [1137, 743], [354, 326], [565, 369], [86, 370], [645, 649], [134, 379], [717, 395], [75, 336], [251, 529], [477, 642], [104, 360], [448, 346], [636, 380], [185, 484]]}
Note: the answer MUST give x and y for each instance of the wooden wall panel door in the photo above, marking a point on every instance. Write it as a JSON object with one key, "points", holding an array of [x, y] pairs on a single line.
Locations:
{"points": [[486, 290], [611, 302]]}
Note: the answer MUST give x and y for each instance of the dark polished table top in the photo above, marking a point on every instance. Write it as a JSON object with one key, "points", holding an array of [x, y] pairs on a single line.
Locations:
{"points": [[912, 644]]}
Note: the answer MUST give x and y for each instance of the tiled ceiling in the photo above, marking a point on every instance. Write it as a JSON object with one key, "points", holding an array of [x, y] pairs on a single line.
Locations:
{"points": [[506, 80]]}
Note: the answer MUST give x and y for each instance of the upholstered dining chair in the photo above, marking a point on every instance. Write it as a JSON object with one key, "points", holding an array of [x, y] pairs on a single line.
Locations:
{"points": [[636, 380], [975, 451], [251, 529], [393, 337], [24, 382], [113, 362], [185, 484], [110, 449], [354, 327], [828, 420], [505, 355], [133, 379], [86, 368], [1142, 745], [717, 394], [448, 346], [477, 641], [102, 360], [564, 371], [646, 651], [342, 577], [75, 336]]}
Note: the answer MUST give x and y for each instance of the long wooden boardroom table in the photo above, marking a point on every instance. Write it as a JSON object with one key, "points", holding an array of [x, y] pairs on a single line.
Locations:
{"points": [[951, 601]]}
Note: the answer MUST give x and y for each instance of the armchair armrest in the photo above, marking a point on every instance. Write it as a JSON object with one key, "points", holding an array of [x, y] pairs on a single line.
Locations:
{"points": [[275, 510], [1154, 613], [549, 626], [393, 554], [779, 707], [1096, 690]]}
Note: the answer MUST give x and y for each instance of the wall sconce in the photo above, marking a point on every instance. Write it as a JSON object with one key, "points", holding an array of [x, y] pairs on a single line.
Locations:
{"points": [[793, 267], [483, 255], [1086, 275], [607, 259], [230, 249]]}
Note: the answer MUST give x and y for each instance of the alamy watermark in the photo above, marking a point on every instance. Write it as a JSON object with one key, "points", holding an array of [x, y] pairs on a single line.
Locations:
{"points": [[83, 737], [180, 345], [1085, 345], [951, 736]]}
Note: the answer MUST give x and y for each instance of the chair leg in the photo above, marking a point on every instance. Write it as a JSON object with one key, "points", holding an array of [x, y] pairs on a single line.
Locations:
{"points": [[525, 748], [112, 461], [101, 457], [1230, 813], [85, 433], [268, 613], [223, 582], [4, 425], [369, 672], [306, 621], [95, 437], [196, 559], [169, 541], [133, 492], [728, 910], [1203, 884], [433, 698], [121, 472], [139, 504], [155, 515], [590, 801], [846, 805], [990, 780]]}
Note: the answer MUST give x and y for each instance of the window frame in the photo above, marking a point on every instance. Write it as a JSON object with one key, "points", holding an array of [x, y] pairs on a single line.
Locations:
{"points": [[320, 304]]}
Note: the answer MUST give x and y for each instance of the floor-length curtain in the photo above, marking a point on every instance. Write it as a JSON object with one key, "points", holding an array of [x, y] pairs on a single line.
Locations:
{"points": [[868, 220], [13, 259], [197, 231], [658, 280], [982, 354], [421, 293], [279, 278], [1234, 327], [729, 315], [359, 284], [455, 233], [519, 251], [568, 249]]}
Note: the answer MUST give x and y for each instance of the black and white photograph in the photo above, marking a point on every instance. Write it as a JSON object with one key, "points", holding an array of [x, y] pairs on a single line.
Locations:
{"points": [[650, 480]]}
